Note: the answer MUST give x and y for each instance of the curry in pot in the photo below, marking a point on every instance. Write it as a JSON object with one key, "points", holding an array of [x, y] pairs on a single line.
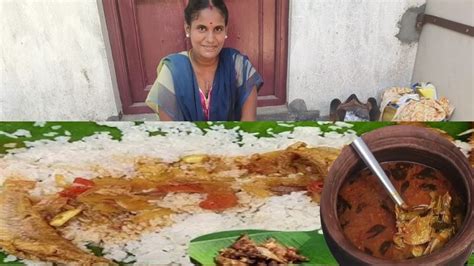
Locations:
{"points": [[372, 222]]}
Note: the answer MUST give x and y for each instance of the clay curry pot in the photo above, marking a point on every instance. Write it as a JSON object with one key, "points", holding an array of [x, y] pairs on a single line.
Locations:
{"points": [[401, 143]]}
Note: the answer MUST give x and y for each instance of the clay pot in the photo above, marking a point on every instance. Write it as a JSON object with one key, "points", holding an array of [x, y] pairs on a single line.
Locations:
{"points": [[401, 143]]}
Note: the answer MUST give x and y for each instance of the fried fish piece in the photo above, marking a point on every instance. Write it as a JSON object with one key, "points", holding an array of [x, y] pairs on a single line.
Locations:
{"points": [[246, 252], [297, 158], [24, 233]]}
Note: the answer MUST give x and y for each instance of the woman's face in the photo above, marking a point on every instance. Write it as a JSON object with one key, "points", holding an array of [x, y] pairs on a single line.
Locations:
{"points": [[207, 33]]}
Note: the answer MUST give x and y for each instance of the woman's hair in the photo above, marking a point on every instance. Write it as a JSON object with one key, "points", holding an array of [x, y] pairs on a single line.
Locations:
{"points": [[195, 6]]}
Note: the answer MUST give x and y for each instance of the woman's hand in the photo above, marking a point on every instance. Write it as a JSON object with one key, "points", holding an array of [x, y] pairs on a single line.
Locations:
{"points": [[249, 110]]}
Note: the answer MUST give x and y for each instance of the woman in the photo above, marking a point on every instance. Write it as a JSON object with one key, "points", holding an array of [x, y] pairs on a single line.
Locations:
{"points": [[209, 82]]}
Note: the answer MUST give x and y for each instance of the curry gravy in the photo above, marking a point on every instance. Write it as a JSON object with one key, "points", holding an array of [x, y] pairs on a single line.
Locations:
{"points": [[367, 213]]}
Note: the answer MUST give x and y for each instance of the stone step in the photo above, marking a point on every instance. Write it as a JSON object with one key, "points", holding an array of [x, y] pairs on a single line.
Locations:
{"points": [[273, 113]]}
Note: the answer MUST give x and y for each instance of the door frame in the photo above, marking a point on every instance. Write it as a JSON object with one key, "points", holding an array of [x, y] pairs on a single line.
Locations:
{"points": [[114, 28], [281, 56]]}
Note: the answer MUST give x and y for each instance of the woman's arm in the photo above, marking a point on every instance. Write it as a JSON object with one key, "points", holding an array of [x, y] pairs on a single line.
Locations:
{"points": [[249, 110], [163, 115]]}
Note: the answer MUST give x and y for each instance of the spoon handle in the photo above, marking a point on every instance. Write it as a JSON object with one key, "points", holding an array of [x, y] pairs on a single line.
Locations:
{"points": [[369, 159]]}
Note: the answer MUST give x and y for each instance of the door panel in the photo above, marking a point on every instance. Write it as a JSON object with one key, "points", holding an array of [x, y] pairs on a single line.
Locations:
{"points": [[149, 35], [252, 31], [144, 31]]}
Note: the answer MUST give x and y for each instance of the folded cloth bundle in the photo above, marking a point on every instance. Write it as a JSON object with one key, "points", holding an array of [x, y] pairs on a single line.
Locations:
{"points": [[407, 104], [425, 110]]}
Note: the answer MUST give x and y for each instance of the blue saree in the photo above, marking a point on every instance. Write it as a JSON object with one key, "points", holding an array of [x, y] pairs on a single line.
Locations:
{"points": [[176, 90]]}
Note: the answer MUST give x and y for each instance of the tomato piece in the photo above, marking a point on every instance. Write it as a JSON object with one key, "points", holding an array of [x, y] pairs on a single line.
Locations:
{"points": [[219, 201], [79, 186], [316, 186], [83, 182], [74, 191], [181, 188]]}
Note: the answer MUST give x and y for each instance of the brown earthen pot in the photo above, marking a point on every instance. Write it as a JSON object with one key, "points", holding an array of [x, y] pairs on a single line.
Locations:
{"points": [[401, 143]]}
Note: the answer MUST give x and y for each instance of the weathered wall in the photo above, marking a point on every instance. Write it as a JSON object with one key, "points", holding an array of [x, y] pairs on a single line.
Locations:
{"points": [[446, 58], [339, 47], [53, 62]]}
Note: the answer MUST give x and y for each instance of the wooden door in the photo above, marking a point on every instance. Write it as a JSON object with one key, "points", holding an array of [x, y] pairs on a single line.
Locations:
{"points": [[142, 32]]}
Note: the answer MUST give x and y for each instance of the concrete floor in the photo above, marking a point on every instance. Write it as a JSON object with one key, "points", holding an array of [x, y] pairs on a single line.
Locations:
{"points": [[273, 113], [140, 117]]}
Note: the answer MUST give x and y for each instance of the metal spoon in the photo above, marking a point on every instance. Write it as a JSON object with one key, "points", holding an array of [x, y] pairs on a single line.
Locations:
{"points": [[361, 148]]}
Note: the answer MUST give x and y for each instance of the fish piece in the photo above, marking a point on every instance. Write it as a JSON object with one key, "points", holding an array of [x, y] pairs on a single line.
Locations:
{"points": [[245, 244], [425, 228], [25, 234], [417, 231], [295, 159], [417, 251], [221, 260], [270, 255], [438, 241], [446, 208], [50, 206], [246, 252], [288, 254], [285, 190]]}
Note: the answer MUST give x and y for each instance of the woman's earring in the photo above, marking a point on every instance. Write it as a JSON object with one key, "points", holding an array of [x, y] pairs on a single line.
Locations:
{"points": [[226, 36], [187, 35]]}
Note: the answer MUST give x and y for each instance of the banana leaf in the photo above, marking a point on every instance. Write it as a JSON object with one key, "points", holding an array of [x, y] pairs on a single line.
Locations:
{"points": [[76, 131], [310, 244], [314, 247], [471, 260], [49, 131]]}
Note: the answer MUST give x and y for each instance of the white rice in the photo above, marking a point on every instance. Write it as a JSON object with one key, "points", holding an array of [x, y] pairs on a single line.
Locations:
{"points": [[39, 124], [9, 145], [467, 132], [50, 134], [464, 147], [10, 258], [8, 135], [100, 154], [22, 133]]}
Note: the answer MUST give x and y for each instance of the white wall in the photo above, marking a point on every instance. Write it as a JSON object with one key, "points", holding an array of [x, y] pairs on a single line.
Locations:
{"points": [[339, 47], [53, 62], [446, 58]]}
